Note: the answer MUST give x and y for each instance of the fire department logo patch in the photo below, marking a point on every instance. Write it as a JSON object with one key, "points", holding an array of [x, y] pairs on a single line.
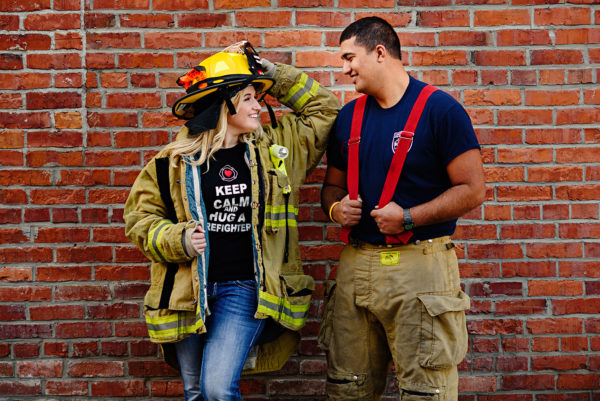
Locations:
{"points": [[228, 173], [395, 141]]}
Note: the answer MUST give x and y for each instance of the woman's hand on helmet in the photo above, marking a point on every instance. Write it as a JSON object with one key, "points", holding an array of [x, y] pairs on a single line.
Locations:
{"points": [[268, 67], [194, 240]]}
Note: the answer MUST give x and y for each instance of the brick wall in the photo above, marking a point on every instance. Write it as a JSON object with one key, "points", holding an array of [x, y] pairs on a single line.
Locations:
{"points": [[86, 89]]}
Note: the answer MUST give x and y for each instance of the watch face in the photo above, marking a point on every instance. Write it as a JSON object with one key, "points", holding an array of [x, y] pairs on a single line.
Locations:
{"points": [[409, 226]]}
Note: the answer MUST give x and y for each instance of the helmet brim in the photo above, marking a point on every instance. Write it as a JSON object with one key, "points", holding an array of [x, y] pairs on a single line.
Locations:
{"points": [[180, 106]]}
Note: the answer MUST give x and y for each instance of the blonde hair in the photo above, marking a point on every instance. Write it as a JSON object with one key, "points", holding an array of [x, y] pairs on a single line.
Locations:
{"points": [[200, 147]]}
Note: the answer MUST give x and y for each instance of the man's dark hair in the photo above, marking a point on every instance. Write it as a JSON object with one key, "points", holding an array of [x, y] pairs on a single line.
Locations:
{"points": [[372, 31]]}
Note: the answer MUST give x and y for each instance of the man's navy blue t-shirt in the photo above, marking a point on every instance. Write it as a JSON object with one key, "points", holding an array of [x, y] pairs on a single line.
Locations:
{"points": [[443, 133]]}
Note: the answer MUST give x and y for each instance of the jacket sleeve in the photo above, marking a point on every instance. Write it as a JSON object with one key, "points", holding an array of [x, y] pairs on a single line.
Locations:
{"points": [[304, 132], [146, 224]]}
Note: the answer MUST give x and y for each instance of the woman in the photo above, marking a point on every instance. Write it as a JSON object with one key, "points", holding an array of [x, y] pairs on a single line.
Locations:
{"points": [[216, 212]]}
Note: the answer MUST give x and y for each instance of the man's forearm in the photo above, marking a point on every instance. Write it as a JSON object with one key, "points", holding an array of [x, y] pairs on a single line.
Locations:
{"points": [[450, 205], [331, 194]]}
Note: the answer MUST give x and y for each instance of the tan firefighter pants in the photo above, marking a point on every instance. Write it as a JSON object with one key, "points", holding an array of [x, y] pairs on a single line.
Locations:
{"points": [[398, 304]]}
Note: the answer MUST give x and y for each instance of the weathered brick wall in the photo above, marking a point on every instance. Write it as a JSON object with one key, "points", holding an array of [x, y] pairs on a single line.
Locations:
{"points": [[86, 89]]}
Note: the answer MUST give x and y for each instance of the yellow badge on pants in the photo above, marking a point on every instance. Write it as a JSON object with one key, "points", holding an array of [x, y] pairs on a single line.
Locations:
{"points": [[389, 258]]}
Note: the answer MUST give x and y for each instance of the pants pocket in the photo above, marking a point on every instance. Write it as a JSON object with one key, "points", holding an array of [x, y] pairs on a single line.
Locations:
{"points": [[444, 338], [326, 329], [348, 387]]}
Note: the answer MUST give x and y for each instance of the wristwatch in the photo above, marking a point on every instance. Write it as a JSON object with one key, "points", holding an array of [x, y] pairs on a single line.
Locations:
{"points": [[408, 223]]}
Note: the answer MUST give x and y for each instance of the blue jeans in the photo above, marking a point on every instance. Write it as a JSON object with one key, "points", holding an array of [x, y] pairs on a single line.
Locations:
{"points": [[211, 363]]}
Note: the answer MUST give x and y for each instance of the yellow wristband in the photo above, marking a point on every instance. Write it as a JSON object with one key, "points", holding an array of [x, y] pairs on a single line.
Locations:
{"points": [[331, 210]]}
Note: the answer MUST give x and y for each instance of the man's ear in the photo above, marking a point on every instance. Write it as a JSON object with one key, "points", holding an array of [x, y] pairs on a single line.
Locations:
{"points": [[381, 53]]}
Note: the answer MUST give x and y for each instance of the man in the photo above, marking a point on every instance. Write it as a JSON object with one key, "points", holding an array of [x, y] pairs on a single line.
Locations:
{"points": [[399, 303]]}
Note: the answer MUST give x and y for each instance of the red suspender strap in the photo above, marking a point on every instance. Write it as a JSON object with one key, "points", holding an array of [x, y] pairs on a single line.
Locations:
{"points": [[404, 143], [353, 142]]}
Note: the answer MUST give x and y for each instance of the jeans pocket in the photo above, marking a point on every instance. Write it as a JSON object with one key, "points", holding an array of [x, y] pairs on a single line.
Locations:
{"points": [[326, 329], [246, 284], [444, 338]]}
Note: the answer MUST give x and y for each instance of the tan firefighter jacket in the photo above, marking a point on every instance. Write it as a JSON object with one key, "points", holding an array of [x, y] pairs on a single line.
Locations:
{"points": [[283, 290]]}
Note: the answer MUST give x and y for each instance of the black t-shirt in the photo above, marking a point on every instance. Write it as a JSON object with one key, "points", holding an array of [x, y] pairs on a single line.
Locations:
{"points": [[226, 192]]}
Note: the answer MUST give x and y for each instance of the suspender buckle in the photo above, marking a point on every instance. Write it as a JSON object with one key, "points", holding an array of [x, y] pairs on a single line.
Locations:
{"points": [[407, 135], [353, 141]]}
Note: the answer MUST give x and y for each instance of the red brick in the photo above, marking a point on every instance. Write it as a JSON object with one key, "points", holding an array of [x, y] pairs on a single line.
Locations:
{"points": [[481, 384], [553, 57], [443, 18], [100, 20], [172, 40], [577, 192], [12, 312], [577, 155], [479, 270], [68, 80], [578, 269], [578, 382], [130, 329], [259, 19], [581, 35], [527, 231], [124, 40], [515, 344], [16, 274], [554, 250], [579, 305], [462, 38], [494, 327], [83, 329], [182, 5], [523, 193], [134, 100], [203, 20], [51, 22], [555, 288], [524, 116], [322, 19], [21, 331], [528, 269], [25, 120], [570, 362], [150, 369], [551, 98], [292, 38], [113, 311], [552, 77], [32, 41], [554, 174], [578, 230], [439, 57], [29, 387], [496, 97], [574, 344], [95, 369], [114, 348], [54, 61], [580, 76], [555, 326], [526, 77], [516, 37], [66, 387], [121, 4], [7, 369], [26, 350], [82, 292], [101, 119], [562, 16], [145, 60], [511, 363], [150, 21], [64, 215], [40, 369], [25, 177], [530, 382], [99, 60], [521, 307], [502, 17], [11, 100], [58, 349], [499, 288], [62, 312], [65, 5], [9, 22], [499, 57]]}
